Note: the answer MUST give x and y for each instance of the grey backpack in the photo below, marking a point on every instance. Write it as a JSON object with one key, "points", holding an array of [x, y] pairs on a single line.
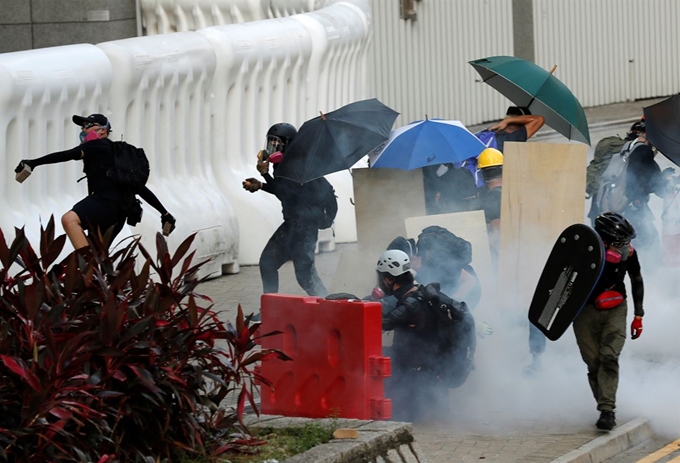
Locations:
{"points": [[611, 195]]}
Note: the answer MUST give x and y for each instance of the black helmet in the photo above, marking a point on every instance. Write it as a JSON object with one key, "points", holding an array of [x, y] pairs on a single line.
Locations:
{"points": [[281, 133], [614, 228], [636, 129]]}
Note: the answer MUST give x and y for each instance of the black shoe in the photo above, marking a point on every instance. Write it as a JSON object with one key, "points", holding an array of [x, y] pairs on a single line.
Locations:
{"points": [[607, 421], [256, 317]]}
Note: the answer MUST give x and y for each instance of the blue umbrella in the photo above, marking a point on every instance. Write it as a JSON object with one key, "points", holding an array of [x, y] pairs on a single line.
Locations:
{"points": [[426, 143]]}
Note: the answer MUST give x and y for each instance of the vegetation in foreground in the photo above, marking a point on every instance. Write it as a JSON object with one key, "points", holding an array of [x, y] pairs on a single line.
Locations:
{"points": [[102, 363]]}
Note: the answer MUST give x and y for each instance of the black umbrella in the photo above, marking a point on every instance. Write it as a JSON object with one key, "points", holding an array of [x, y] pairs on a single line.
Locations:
{"points": [[662, 123], [336, 141]]}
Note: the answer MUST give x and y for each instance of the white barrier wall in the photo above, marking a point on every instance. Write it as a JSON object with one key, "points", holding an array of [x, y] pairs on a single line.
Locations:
{"points": [[199, 103], [258, 83], [162, 87], [39, 92], [166, 16]]}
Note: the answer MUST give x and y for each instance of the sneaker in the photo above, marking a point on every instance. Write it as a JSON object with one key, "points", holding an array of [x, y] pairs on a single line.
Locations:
{"points": [[256, 317], [607, 421]]}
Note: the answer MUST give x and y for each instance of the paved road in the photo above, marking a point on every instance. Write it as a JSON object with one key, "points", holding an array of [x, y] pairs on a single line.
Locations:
{"points": [[499, 415]]}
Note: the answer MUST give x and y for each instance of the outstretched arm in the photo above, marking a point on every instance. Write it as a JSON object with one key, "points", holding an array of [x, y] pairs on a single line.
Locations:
{"points": [[53, 158]]}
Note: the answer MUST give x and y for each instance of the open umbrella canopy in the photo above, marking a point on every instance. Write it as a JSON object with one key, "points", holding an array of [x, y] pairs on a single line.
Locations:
{"points": [[337, 140], [662, 124], [426, 143], [526, 84]]}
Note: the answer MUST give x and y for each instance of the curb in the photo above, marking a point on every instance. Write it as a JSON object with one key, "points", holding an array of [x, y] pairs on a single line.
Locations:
{"points": [[378, 441], [613, 443]]}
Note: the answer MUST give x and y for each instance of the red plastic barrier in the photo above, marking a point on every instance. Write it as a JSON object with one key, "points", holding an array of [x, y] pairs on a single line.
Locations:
{"points": [[337, 367]]}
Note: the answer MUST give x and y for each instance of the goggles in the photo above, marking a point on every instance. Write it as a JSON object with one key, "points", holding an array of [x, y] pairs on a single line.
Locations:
{"points": [[274, 144]]}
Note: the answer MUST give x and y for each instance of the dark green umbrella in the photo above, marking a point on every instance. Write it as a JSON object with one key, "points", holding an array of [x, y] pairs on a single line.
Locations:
{"points": [[529, 85]]}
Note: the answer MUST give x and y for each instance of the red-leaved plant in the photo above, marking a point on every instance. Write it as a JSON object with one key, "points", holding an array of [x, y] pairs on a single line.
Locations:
{"points": [[100, 363]]}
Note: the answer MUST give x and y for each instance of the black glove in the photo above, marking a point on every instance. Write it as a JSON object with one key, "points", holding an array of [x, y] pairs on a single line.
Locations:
{"points": [[24, 162], [252, 185], [168, 223]]}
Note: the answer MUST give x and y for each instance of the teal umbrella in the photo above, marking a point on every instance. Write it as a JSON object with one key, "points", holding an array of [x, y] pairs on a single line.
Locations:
{"points": [[529, 85]]}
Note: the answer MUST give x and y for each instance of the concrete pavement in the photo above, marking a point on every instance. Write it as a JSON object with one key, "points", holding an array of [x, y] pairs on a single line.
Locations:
{"points": [[533, 440]]}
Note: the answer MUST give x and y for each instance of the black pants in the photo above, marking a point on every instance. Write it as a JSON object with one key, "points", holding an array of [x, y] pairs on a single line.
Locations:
{"points": [[293, 240]]}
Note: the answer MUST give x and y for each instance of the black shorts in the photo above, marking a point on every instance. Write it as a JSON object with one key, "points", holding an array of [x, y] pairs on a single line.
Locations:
{"points": [[103, 212]]}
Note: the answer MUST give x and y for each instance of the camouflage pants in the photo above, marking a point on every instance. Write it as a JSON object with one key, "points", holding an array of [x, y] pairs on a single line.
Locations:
{"points": [[600, 335]]}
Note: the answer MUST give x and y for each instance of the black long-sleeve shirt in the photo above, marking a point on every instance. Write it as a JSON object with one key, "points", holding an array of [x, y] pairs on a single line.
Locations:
{"points": [[299, 201], [613, 279], [98, 161]]}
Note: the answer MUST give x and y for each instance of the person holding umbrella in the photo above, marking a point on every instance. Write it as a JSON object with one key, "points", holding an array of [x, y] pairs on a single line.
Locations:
{"points": [[517, 125], [307, 208]]}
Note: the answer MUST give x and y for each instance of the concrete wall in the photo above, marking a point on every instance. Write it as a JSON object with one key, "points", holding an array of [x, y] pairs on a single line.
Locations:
{"points": [[25, 25]]}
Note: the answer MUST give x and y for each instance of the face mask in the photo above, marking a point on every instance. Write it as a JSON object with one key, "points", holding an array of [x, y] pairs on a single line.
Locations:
{"points": [[85, 137], [276, 157], [616, 255]]}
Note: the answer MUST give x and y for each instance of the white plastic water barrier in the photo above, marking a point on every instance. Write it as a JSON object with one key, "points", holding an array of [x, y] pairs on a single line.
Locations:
{"points": [[199, 103], [165, 16]]}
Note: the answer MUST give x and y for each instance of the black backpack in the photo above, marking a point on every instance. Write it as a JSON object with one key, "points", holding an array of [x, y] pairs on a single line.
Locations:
{"points": [[131, 167], [130, 172], [455, 336], [329, 204], [443, 245]]}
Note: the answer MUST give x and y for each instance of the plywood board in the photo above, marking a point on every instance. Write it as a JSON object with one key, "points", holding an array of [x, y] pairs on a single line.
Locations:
{"points": [[383, 198], [470, 226], [543, 193], [355, 273]]}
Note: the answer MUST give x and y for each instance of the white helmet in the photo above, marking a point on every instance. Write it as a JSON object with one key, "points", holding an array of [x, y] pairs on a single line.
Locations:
{"points": [[394, 262]]}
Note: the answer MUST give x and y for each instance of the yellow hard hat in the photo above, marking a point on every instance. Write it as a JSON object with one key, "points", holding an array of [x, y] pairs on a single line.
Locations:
{"points": [[490, 157]]}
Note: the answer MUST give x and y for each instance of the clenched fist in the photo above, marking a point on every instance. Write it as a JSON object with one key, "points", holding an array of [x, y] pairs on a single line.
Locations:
{"points": [[252, 185]]}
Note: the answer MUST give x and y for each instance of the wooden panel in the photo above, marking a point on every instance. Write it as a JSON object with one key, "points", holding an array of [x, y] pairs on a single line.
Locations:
{"points": [[470, 226], [355, 273], [383, 198], [543, 193]]}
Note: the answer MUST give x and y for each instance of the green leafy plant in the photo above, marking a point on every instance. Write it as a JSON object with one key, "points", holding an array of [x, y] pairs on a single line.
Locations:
{"points": [[100, 362]]}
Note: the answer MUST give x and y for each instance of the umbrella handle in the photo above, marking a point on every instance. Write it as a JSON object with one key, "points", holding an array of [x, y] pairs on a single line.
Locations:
{"points": [[553, 69]]}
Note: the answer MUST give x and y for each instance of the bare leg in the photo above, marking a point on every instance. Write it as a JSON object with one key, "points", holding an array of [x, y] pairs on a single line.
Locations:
{"points": [[71, 223]]}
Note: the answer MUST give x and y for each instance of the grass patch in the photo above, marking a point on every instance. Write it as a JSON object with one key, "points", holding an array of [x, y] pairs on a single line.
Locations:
{"points": [[279, 444]]}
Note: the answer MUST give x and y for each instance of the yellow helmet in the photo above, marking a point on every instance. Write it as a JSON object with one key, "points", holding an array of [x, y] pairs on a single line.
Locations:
{"points": [[490, 157]]}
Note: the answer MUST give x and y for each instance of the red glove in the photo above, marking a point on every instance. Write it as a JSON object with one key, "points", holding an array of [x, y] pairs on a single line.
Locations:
{"points": [[636, 327]]}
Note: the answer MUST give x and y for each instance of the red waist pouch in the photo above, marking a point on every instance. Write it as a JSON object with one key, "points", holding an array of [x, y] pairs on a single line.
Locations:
{"points": [[608, 300]]}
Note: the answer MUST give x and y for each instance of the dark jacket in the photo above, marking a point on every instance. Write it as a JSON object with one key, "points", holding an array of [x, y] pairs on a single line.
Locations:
{"points": [[613, 276], [414, 345], [300, 202]]}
